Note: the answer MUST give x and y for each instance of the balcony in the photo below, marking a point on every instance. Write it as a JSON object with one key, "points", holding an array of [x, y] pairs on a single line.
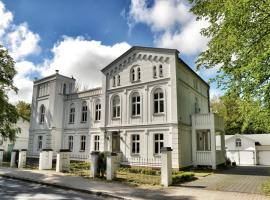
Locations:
{"points": [[206, 121]]}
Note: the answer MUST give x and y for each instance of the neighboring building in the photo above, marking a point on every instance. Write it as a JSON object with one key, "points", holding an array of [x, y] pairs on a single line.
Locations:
{"points": [[248, 149], [147, 101], [21, 141]]}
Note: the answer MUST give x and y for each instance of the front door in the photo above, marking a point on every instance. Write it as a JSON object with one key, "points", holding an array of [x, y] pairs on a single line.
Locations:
{"points": [[115, 142]]}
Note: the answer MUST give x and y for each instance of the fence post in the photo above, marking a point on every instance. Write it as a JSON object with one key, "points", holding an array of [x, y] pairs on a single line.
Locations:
{"points": [[1, 156], [45, 159], [63, 160], [94, 164], [166, 166], [111, 166], [22, 158], [13, 158]]}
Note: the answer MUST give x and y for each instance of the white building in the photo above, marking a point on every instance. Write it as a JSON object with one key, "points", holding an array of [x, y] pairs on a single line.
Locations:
{"points": [[248, 149], [147, 101]]}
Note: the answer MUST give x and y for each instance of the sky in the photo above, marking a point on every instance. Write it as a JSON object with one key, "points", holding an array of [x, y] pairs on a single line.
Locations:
{"points": [[80, 37]]}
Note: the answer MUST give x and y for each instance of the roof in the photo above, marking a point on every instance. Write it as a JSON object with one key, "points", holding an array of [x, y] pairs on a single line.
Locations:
{"points": [[263, 139], [173, 51], [52, 76]]}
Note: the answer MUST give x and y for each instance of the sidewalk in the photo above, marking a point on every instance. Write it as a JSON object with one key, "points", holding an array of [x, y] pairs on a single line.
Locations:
{"points": [[122, 191]]}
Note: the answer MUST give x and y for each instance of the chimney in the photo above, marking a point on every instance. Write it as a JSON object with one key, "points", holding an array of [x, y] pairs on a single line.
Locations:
{"points": [[57, 71]]}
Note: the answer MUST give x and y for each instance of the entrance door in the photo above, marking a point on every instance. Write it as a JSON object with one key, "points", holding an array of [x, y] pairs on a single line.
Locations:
{"points": [[115, 142]]}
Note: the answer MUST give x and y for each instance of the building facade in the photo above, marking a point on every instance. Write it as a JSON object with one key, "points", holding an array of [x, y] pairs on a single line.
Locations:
{"points": [[146, 102]]}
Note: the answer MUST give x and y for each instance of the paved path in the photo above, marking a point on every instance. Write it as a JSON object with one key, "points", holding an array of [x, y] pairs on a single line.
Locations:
{"points": [[11, 189], [246, 179], [124, 190]]}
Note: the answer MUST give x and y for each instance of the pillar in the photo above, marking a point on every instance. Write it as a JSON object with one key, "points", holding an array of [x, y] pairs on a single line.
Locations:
{"points": [[22, 158], [63, 160], [94, 164], [111, 166], [13, 158], [45, 159], [166, 166], [1, 156]]}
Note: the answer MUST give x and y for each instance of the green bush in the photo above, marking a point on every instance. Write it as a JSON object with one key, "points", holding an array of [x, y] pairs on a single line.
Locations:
{"points": [[182, 177], [135, 170], [77, 166]]}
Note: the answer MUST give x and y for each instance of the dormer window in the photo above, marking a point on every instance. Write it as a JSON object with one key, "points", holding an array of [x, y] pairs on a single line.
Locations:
{"points": [[238, 142], [154, 72], [160, 71]]}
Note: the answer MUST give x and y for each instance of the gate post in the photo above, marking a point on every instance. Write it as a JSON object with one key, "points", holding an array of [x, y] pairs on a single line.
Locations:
{"points": [[63, 160], [166, 166], [111, 166], [13, 158], [22, 158], [1, 156], [94, 164], [45, 159]]}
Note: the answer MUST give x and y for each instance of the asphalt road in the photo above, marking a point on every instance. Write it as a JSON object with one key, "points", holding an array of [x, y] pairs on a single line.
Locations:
{"points": [[11, 189]]}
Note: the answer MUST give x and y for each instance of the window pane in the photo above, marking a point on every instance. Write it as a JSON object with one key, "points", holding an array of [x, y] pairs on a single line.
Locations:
{"points": [[138, 109], [156, 96], [156, 136], [161, 95], [155, 107], [138, 147], [161, 136], [118, 111], [161, 106], [156, 147]]}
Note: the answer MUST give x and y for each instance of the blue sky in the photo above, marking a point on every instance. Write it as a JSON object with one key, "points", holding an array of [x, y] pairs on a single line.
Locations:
{"points": [[80, 37]]}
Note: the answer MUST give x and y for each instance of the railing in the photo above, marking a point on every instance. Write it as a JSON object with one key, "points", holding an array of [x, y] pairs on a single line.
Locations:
{"points": [[80, 157], [203, 158], [203, 121], [154, 162]]}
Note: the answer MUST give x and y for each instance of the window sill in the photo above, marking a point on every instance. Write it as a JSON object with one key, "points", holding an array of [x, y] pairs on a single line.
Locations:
{"points": [[116, 118], [81, 151], [71, 123], [159, 114], [157, 155], [135, 116], [135, 154], [83, 122], [137, 81]]}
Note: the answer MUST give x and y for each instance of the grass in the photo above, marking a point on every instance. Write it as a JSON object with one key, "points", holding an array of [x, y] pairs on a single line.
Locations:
{"points": [[266, 188], [182, 177], [80, 168]]}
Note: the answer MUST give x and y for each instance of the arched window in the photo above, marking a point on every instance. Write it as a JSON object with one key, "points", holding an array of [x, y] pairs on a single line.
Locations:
{"points": [[64, 88], [154, 72], [72, 114], [238, 142], [116, 107], [133, 75], [160, 71], [42, 114], [158, 101], [84, 112], [118, 80], [98, 111], [136, 104], [138, 74]]}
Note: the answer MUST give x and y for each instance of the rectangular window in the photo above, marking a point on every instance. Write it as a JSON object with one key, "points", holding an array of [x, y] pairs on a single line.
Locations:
{"points": [[158, 142], [72, 116], [83, 140], [84, 113], [203, 141], [96, 143], [43, 89], [39, 146], [135, 144], [98, 112], [70, 143]]}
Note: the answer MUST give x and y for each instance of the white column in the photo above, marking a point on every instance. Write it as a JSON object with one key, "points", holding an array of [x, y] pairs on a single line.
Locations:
{"points": [[1, 156], [94, 164], [166, 166], [194, 142], [63, 160], [22, 158], [213, 141], [45, 159], [111, 166], [13, 158]]}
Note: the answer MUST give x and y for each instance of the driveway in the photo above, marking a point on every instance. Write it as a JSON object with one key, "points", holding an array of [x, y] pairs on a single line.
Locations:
{"points": [[246, 179]]}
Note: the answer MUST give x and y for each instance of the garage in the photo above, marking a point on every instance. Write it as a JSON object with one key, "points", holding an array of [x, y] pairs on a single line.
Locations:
{"points": [[243, 157], [264, 157]]}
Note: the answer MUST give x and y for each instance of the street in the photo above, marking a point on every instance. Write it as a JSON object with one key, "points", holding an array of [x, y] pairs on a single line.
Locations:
{"points": [[15, 189]]}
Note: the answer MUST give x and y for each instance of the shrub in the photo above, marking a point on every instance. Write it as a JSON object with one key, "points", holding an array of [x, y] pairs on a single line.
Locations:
{"points": [[135, 170], [183, 177]]}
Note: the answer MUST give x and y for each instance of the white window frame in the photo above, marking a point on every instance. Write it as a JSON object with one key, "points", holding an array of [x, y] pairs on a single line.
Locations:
{"points": [[96, 142], [84, 112], [70, 142], [159, 100], [72, 111], [138, 74], [42, 114], [238, 142], [98, 111], [39, 142], [161, 71], [154, 72], [83, 143], [135, 105], [135, 140], [118, 80], [116, 107], [159, 141]]}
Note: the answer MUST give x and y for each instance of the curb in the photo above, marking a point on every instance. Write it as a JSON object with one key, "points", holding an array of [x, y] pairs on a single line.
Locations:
{"points": [[95, 192]]}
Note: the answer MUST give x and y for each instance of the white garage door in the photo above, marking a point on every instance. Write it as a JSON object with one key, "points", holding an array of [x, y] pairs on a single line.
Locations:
{"points": [[241, 157], [264, 157]]}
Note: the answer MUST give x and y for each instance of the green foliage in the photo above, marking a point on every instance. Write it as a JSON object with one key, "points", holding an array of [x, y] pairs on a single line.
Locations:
{"points": [[80, 168], [182, 177], [266, 188], [8, 112], [143, 170], [24, 110], [242, 115], [239, 44]]}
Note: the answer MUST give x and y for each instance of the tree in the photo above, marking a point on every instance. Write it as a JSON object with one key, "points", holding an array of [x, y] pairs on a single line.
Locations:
{"points": [[24, 110], [239, 33], [241, 115], [8, 112]]}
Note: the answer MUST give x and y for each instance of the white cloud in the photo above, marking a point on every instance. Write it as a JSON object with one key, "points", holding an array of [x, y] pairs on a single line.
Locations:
{"points": [[83, 59], [174, 25], [6, 18]]}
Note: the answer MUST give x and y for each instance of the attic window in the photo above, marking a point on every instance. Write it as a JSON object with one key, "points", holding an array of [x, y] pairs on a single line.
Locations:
{"points": [[238, 142]]}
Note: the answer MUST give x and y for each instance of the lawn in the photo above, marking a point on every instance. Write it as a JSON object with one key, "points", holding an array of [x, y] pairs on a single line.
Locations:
{"points": [[266, 188]]}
